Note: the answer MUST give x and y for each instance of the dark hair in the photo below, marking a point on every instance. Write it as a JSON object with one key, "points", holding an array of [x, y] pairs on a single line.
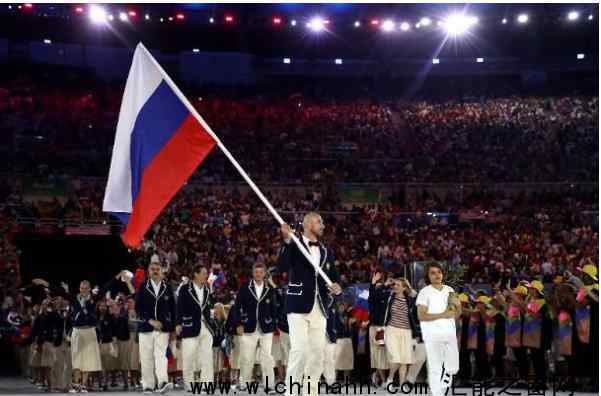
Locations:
{"points": [[259, 264], [197, 268], [431, 264]]}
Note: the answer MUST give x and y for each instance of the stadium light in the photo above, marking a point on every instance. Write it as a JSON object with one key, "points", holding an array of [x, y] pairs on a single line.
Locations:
{"points": [[375, 22], [211, 20], [523, 18], [504, 21], [180, 16], [405, 26], [287, 61], [388, 25], [147, 17], [110, 17], [277, 20], [195, 50], [338, 61], [357, 24], [229, 19], [47, 41], [573, 16], [435, 61], [293, 22], [479, 60], [590, 17], [97, 14], [79, 10], [425, 21], [580, 56], [123, 16], [132, 13], [316, 24], [458, 24]]}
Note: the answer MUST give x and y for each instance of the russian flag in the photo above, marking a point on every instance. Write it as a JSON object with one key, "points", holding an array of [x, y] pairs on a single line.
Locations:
{"points": [[160, 141]]}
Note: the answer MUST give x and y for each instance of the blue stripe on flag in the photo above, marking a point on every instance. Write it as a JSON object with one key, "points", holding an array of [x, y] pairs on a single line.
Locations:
{"points": [[158, 120]]}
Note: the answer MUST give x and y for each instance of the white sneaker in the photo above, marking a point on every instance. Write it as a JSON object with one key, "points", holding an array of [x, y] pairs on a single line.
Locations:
{"points": [[386, 384]]}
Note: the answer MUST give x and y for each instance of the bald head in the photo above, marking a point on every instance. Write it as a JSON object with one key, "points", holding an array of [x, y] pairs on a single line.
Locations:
{"points": [[313, 225]]}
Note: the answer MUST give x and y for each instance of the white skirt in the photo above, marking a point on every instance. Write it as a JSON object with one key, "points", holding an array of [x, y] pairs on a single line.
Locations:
{"points": [[235, 358], [378, 357], [85, 353], [345, 359], [399, 345]]}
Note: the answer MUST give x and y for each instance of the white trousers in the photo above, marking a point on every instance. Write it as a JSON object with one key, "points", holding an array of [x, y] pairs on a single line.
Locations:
{"points": [[153, 358], [248, 354], [419, 353], [197, 352], [441, 354], [307, 343], [329, 363]]}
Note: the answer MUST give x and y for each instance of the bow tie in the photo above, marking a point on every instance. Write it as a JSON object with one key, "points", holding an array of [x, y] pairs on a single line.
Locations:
{"points": [[313, 244]]}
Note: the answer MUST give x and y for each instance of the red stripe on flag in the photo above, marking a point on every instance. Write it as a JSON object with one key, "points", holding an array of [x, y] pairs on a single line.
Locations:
{"points": [[165, 175]]}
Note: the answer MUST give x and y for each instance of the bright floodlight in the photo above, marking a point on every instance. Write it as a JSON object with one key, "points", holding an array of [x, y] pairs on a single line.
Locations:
{"points": [[293, 22], [338, 61], [580, 56], [147, 17], [504, 21], [388, 25], [47, 41], [480, 60], [405, 26], [435, 61], [425, 21], [97, 14], [458, 24], [316, 24], [523, 18], [123, 16], [590, 17], [357, 24], [573, 15], [195, 50], [287, 61], [211, 20]]}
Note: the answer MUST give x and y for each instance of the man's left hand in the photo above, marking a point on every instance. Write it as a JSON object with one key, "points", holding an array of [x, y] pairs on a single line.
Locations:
{"points": [[335, 289]]}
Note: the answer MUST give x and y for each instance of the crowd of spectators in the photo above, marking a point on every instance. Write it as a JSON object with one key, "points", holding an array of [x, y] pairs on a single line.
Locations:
{"points": [[298, 138]]}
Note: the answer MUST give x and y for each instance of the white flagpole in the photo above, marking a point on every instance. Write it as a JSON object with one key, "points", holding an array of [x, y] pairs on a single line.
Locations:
{"points": [[227, 153]]}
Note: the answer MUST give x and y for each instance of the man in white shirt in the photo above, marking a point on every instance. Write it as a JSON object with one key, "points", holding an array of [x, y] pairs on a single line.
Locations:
{"points": [[437, 320]]}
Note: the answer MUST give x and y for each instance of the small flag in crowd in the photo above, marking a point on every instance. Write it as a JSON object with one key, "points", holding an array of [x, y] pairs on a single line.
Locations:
{"points": [[160, 141]]}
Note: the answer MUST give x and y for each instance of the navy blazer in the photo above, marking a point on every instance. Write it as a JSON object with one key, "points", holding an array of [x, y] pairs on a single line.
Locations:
{"points": [[190, 312], [377, 304], [105, 329], [159, 307], [50, 328], [251, 310], [83, 316], [302, 278]]}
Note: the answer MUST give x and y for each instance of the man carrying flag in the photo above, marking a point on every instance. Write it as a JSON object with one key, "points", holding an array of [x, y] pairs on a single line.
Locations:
{"points": [[161, 139]]}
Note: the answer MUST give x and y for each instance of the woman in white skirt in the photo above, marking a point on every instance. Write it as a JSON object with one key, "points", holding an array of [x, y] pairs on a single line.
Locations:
{"points": [[398, 333], [85, 353], [345, 356]]}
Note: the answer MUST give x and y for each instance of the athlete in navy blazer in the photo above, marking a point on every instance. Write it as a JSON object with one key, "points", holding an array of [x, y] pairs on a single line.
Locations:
{"points": [[302, 277], [191, 311], [307, 301]]}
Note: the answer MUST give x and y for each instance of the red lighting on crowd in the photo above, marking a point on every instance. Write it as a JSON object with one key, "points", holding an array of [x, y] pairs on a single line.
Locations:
{"points": [[375, 22], [180, 16], [277, 20], [132, 13], [229, 19]]}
